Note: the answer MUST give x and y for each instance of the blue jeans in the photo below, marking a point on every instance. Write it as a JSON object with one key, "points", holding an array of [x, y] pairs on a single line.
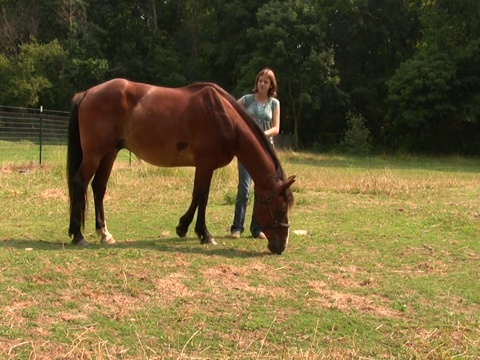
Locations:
{"points": [[244, 181]]}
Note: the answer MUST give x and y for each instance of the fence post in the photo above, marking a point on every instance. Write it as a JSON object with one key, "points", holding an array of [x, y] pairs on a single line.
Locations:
{"points": [[41, 134]]}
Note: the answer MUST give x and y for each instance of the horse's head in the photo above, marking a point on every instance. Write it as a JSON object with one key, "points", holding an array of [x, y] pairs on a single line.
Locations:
{"points": [[272, 215]]}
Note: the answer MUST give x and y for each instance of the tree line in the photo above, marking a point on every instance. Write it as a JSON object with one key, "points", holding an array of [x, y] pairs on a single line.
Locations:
{"points": [[358, 75]]}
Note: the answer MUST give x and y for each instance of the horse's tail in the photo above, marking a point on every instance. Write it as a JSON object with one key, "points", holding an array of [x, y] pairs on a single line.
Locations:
{"points": [[75, 156]]}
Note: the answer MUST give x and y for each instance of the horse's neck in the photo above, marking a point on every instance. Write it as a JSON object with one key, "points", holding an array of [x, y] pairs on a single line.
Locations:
{"points": [[257, 161]]}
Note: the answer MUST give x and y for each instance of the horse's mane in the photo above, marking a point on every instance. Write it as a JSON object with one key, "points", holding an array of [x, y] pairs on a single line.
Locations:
{"points": [[252, 125], [279, 173]]}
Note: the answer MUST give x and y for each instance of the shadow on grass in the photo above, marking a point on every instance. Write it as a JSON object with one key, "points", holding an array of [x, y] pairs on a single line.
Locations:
{"points": [[167, 245]]}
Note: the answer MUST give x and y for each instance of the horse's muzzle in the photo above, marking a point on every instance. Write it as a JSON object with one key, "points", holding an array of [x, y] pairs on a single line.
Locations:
{"points": [[276, 249]]}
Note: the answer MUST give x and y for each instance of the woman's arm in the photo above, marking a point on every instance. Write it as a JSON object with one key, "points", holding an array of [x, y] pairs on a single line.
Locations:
{"points": [[275, 129], [240, 101]]}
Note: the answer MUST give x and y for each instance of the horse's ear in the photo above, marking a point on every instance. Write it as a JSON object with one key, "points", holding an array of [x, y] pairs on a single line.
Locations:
{"points": [[287, 183]]}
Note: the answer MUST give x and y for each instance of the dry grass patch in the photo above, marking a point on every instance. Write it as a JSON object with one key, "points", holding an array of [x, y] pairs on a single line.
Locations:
{"points": [[55, 193], [236, 278], [346, 302], [172, 287], [12, 167]]}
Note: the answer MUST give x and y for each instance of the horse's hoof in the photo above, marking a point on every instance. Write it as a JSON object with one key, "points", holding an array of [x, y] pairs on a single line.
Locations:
{"points": [[208, 240], [181, 232], [80, 242], [107, 240], [105, 236]]}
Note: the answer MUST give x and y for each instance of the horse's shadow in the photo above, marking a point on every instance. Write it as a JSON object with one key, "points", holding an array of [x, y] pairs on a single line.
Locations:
{"points": [[167, 245]]}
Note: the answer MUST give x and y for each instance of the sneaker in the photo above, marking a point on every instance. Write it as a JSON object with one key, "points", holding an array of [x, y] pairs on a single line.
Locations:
{"points": [[260, 235], [235, 234]]}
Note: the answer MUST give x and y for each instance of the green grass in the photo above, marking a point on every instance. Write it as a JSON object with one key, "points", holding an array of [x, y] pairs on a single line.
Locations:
{"points": [[388, 269]]}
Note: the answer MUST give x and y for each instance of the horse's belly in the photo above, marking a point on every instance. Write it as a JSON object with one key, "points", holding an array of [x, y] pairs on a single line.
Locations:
{"points": [[164, 156]]}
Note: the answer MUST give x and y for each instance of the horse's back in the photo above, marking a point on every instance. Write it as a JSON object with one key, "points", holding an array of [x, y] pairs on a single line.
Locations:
{"points": [[164, 126]]}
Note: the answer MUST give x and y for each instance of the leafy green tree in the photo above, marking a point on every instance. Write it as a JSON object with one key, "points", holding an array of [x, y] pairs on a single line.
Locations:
{"points": [[290, 38], [191, 39], [19, 21], [124, 36], [468, 75], [433, 96], [24, 81], [6, 73], [370, 38], [165, 67], [420, 95], [228, 47]]}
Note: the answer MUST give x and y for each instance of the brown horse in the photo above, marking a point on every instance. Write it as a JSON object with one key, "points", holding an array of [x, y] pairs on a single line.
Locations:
{"points": [[200, 125]]}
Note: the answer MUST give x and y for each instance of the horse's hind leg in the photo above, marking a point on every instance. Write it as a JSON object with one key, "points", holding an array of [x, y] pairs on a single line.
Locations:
{"points": [[77, 210], [99, 187], [79, 184]]}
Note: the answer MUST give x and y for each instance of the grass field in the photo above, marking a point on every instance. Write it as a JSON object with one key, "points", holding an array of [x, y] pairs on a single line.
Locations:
{"points": [[388, 267]]}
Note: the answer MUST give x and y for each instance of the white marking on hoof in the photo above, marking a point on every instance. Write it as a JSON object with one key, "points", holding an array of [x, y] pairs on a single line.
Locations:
{"points": [[105, 236], [107, 239]]}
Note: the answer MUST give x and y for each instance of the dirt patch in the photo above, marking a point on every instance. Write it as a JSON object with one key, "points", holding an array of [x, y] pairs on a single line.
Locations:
{"points": [[117, 306], [22, 168], [236, 278], [424, 268], [54, 194], [351, 278], [172, 287], [345, 301]]}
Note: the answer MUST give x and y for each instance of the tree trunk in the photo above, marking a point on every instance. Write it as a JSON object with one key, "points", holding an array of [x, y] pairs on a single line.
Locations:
{"points": [[155, 24]]}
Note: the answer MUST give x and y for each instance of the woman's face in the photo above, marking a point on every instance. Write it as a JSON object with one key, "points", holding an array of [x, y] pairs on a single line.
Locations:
{"points": [[263, 84]]}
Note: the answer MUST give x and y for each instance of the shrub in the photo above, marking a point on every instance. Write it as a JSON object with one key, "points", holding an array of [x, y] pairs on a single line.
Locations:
{"points": [[357, 139]]}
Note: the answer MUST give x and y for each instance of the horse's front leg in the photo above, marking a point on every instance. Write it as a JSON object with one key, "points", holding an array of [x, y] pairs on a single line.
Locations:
{"points": [[201, 190], [186, 219], [201, 226]]}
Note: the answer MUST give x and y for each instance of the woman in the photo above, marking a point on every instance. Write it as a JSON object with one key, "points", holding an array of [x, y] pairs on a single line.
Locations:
{"points": [[264, 108]]}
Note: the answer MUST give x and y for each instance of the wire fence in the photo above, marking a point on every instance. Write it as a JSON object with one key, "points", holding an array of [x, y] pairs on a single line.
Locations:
{"points": [[39, 135], [35, 125], [28, 134]]}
